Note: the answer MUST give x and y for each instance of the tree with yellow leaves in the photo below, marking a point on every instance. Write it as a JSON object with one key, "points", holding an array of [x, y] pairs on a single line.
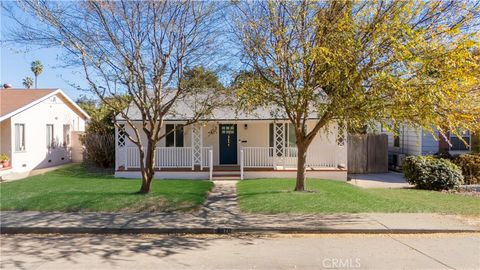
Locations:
{"points": [[357, 62]]}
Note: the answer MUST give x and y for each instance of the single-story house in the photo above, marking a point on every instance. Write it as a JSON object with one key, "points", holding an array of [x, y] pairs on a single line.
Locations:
{"points": [[417, 141], [231, 144], [39, 128]]}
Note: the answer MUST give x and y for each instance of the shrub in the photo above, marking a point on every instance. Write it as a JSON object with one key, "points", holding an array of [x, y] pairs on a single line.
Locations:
{"points": [[99, 149], [470, 166], [432, 173]]}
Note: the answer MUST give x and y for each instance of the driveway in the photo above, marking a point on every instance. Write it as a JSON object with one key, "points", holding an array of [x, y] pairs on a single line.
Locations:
{"points": [[379, 180]]}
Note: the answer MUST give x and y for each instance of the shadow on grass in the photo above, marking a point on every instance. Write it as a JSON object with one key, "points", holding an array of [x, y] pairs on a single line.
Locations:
{"points": [[81, 171]]}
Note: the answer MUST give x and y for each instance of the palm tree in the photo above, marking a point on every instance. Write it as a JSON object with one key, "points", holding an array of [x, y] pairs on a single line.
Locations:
{"points": [[27, 82], [37, 69]]}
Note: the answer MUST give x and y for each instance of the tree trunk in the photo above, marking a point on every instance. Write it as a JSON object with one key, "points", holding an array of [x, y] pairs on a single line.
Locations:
{"points": [[301, 167], [35, 81], [148, 170]]}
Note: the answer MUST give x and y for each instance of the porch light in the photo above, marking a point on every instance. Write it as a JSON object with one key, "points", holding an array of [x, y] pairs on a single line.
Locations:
{"points": [[245, 126]]}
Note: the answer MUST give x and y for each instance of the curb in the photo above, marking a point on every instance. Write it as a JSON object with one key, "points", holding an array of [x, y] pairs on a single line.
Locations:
{"points": [[218, 231]]}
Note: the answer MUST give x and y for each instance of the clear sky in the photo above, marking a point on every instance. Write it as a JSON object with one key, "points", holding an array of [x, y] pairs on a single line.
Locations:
{"points": [[15, 65]]}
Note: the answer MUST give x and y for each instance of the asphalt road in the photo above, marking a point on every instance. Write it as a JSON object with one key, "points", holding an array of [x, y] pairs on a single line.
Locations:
{"points": [[435, 251]]}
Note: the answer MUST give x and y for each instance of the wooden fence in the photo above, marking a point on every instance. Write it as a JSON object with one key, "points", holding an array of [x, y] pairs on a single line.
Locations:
{"points": [[367, 153]]}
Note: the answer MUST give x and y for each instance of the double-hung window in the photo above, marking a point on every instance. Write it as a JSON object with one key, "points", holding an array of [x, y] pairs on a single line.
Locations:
{"points": [[19, 137], [458, 144], [396, 137], [174, 136], [66, 135], [50, 136]]}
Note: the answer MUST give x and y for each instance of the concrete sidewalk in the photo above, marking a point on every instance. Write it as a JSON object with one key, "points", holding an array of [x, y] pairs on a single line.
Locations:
{"points": [[220, 214], [41, 222]]}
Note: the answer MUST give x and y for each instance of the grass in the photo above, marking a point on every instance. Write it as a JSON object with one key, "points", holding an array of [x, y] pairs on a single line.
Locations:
{"points": [[75, 189], [271, 196]]}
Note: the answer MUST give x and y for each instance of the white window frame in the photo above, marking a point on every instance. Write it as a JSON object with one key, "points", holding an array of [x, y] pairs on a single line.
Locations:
{"points": [[67, 135], [50, 143], [20, 142]]}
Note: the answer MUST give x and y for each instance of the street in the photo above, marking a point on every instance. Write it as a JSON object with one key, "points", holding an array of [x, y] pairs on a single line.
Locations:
{"points": [[327, 251]]}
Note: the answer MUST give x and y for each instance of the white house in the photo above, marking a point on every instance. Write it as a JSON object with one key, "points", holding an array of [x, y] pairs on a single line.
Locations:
{"points": [[38, 127], [417, 141], [231, 144]]}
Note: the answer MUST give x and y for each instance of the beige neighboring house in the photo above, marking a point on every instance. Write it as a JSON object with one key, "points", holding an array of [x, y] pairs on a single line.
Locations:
{"points": [[39, 128], [229, 144]]}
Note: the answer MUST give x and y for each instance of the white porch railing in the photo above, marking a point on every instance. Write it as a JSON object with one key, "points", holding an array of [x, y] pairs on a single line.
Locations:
{"points": [[174, 157], [326, 156], [170, 157], [258, 157]]}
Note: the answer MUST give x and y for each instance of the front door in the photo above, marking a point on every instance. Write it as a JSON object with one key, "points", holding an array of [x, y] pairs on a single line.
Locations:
{"points": [[228, 143]]}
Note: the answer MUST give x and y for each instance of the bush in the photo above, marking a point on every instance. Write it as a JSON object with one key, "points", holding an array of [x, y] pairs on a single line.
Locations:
{"points": [[470, 166], [432, 173], [99, 149]]}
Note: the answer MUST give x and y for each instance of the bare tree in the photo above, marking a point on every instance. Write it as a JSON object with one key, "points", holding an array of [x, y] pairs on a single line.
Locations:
{"points": [[137, 48]]}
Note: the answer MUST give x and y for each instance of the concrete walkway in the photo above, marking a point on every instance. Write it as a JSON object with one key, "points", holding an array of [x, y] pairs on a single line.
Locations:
{"points": [[379, 180], [220, 214]]}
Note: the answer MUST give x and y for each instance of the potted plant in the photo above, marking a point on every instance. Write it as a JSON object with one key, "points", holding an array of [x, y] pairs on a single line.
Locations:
{"points": [[4, 160]]}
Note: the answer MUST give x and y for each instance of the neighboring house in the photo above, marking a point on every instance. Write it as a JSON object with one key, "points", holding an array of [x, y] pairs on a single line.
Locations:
{"points": [[37, 127], [417, 141], [229, 144]]}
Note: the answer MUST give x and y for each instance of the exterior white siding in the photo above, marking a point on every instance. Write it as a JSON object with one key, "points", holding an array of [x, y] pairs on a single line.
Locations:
{"points": [[410, 141], [413, 141], [429, 143], [54, 111]]}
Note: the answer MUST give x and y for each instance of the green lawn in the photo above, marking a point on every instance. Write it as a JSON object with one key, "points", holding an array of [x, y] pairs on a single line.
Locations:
{"points": [[74, 188], [276, 196]]}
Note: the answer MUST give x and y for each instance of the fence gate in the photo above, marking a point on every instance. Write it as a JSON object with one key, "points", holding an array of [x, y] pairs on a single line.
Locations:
{"points": [[367, 153]]}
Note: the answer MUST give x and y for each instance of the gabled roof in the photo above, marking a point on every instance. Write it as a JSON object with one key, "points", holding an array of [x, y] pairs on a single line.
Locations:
{"points": [[16, 100]]}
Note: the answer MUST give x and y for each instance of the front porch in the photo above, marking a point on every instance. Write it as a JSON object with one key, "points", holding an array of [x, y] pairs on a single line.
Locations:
{"points": [[255, 149]]}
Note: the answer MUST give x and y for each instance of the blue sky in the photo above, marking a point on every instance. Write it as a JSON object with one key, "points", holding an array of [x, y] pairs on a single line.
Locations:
{"points": [[15, 65]]}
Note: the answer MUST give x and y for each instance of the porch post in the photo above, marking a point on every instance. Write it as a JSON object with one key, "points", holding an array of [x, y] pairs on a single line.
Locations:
{"points": [[278, 142], [197, 131], [126, 156], [241, 163], [210, 163]]}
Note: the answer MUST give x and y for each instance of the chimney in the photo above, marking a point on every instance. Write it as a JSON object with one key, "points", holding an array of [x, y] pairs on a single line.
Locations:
{"points": [[7, 85]]}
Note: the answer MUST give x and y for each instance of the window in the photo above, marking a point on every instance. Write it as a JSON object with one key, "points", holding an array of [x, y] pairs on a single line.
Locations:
{"points": [[174, 136], [19, 137], [396, 137], [66, 135], [458, 144], [50, 138]]}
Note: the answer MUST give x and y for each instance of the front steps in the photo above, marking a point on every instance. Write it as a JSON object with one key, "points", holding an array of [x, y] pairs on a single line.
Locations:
{"points": [[226, 175]]}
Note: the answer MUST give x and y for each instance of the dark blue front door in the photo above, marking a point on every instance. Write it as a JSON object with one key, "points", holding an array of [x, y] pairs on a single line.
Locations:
{"points": [[228, 144]]}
